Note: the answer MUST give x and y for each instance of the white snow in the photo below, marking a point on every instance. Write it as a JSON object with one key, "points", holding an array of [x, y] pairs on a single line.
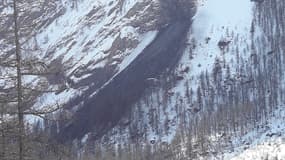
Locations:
{"points": [[128, 31], [53, 99], [217, 20], [50, 101], [145, 40], [212, 15], [261, 145]]}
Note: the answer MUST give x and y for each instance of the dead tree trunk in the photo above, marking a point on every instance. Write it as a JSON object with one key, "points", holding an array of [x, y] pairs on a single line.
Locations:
{"points": [[19, 84]]}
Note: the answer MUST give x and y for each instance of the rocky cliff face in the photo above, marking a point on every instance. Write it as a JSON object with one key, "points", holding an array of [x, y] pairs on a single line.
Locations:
{"points": [[99, 46], [33, 18], [103, 111]]}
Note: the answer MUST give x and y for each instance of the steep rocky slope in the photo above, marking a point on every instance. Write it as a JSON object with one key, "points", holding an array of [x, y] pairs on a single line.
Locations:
{"points": [[100, 48], [102, 113]]}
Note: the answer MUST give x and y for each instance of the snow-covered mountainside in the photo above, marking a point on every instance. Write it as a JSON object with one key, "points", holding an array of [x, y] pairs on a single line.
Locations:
{"points": [[188, 79], [85, 38], [229, 78], [94, 46], [263, 143]]}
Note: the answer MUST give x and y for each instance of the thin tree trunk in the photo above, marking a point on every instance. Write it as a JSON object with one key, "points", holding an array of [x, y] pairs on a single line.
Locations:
{"points": [[3, 145], [19, 84]]}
